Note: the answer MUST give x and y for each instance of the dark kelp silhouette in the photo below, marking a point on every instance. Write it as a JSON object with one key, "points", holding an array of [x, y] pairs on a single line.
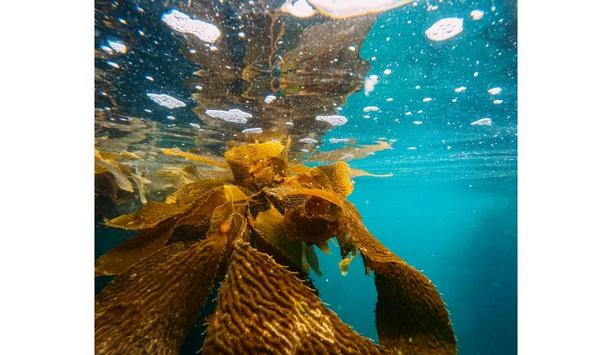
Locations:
{"points": [[256, 234], [250, 221]]}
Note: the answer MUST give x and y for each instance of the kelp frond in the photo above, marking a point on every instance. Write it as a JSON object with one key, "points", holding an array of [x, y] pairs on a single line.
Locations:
{"points": [[256, 234]]}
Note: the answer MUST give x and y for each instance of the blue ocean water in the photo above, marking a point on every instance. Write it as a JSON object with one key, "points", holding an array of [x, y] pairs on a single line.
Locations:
{"points": [[450, 207]]}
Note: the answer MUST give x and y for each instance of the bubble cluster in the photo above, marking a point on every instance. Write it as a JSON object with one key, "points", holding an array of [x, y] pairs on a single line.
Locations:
{"points": [[482, 122], [299, 8], [370, 83], [181, 22], [232, 115], [334, 120], [255, 130], [445, 29], [166, 100]]}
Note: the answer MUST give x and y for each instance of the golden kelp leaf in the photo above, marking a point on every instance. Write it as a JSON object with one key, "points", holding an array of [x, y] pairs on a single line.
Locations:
{"points": [[149, 216], [358, 172], [196, 221], [108, 195], [234, 194], [151, 307], [257, 162], [410, 314], [178, 176], [152, 214], [351, 152], [295, 169], [292, 197], [339, 177], [191, 193], [313, 222], [263, 308], [104, 162], [119, 259], [269, 225], [204, 159]]}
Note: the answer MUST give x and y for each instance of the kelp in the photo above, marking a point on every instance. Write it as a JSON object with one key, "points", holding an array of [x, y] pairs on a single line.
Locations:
{"points": [[249, 219], [351, 152], [256, 236]]}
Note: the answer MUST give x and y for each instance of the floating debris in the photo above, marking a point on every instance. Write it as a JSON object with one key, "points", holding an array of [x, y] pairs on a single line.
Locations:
{"points": [[181, 22], [444, 29], [497, 102], [255, 130], [427, 99], [233, 115], [166, 101], [299, 8], [371, 109], [344, 264], [482, 122], [334, 120], [476, 14], [351, 8], [150, 78], [494, 91], [370, 83], [460, 89]]}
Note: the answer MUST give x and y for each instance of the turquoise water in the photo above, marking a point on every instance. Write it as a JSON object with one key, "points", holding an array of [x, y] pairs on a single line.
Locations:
{"points": [[450, 207], [463, 238]]}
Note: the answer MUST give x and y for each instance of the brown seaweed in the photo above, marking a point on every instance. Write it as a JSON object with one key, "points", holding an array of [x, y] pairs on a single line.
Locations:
{"points": [[255, 234], [249, 219]]}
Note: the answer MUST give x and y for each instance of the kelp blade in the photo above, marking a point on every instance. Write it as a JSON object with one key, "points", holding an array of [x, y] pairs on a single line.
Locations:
{"points": [[151, 307], [263, 308]]}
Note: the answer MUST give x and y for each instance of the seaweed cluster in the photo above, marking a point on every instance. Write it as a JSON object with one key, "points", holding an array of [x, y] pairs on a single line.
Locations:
{"points": [[255, 233], [246, 227]]}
